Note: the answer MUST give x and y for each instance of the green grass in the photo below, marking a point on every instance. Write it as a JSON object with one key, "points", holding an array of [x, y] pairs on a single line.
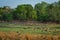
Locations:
{"points": [[20, 30], [34, 29]]}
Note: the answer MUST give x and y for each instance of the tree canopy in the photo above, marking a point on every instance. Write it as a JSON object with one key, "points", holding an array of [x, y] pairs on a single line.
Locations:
{"points": [[43, 12]]}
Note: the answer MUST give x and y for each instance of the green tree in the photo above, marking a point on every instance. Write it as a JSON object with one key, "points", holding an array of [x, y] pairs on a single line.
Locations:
{"points": [[54, 12], [6, 13], [25, 12], [21, 12], [7, 17], [41, 9], [33, 15], [1, 13]]}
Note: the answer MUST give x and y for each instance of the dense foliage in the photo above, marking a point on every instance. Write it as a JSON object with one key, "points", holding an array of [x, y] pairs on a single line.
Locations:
{"points": [[43, 12]]}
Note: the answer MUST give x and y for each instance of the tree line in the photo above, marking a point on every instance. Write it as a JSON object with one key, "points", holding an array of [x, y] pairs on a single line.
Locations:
{"points": [[43, 12]]}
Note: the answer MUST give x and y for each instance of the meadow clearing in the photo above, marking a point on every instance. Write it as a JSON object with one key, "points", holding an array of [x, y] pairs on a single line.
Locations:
{"points": [[29, 31], [33, 28]]}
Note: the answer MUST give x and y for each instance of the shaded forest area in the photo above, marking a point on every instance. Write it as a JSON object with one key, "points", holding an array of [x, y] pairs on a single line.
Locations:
{"points": [[42, 12]]}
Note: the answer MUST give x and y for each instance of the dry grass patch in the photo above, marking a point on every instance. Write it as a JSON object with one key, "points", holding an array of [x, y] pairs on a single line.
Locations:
{"points": [[18, 36]]}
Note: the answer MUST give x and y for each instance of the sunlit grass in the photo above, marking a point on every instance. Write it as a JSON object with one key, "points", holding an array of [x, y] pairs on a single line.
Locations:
{"points": [[33, 29]]}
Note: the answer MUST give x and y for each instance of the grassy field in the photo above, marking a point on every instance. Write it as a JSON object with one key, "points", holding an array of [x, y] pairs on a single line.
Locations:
{"points": [[32, 31], [53, 29]]}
